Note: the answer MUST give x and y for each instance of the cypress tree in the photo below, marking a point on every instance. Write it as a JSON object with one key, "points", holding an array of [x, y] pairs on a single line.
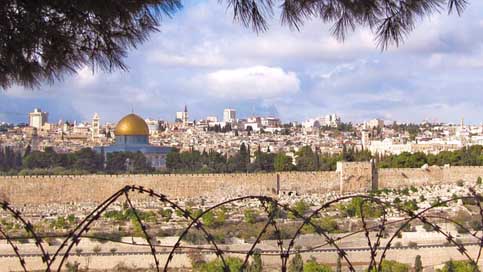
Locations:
{"points": [[27, 151], [418, 264], [450, 267], [2, 159], [339, 265], [296, 264], [256, 265]]}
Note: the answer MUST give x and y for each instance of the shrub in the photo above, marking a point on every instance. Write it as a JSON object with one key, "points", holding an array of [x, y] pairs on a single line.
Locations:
{"points": [[300, 207], [196, 259], [475, 224], [461, 229], [178, 213], [427, 227], [327, 224], [167, 214], [408, 228], [51, 241], [97, 249], [412, 244], [194, 237], [411, 205], [233, 263], [104, 237], [393, 266], [312, 266], [405, 192], [208, 219], [353, 208], [214, 219], [459, 266], [250, 216], [72, 267], [296, 264]]}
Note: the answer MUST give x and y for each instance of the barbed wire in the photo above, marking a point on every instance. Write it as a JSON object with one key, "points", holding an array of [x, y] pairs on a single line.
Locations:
{"points": [[271, 207]]}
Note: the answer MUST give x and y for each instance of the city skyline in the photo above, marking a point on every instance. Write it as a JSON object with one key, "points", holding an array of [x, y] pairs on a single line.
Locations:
{"points": [[433, 76], [259, 135], [178, 116]]}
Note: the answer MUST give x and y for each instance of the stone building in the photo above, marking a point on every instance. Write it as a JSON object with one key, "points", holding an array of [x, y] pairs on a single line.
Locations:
{"points": [[38, 119], [132, 135]]}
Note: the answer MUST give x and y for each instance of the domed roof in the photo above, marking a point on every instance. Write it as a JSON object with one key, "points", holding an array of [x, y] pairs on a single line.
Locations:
{"points": [[131, 125]]}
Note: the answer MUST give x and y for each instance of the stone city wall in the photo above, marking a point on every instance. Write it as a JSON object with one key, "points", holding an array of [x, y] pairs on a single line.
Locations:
{"points": [[404, 177], [97, 188], [356, 176], [349, 177]]}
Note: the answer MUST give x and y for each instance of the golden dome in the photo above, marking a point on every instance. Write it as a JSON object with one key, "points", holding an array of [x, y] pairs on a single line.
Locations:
{"points": [[131, 125]]}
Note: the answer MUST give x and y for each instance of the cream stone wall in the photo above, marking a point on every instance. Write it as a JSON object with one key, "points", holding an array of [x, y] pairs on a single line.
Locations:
{"points": [[349, 177], [404, 177], [97, 188]]}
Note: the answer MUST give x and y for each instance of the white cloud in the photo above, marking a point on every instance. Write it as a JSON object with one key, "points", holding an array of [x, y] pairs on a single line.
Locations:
{"points": [[203, 59], [251, 82], [312, 44], [207, 54], [187, 60], [85, 76]]}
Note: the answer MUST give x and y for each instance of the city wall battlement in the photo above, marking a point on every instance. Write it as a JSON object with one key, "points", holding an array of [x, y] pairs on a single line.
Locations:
{"points": [[349, 177], [403, 177], [96, 188]]}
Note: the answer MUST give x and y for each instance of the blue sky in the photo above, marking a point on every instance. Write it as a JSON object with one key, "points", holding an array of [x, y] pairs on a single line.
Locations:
{"points": [[205, 60]]}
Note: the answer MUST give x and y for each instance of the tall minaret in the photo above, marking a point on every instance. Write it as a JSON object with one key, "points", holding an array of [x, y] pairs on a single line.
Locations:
{"points": [[185, 116], [95, 126]]}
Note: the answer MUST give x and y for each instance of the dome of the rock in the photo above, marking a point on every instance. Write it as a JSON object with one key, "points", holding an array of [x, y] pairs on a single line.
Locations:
{"points": [[131, 125]]}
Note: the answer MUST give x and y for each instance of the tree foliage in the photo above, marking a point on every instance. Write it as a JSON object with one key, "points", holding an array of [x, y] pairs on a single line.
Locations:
{"points": [[390, 20], [359, 206], [83, 161], [296, 263], [418, 264], [393, 266], [458, 266], [214, 162], [250, 216], [469, 156], [133, 162], [43, 40], [256, 265], [307, 159], [233, 263], [10, 159], [313, 266], [283, 162]]}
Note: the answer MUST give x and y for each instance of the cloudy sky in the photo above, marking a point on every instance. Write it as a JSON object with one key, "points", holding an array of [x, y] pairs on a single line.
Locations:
{"points": [[203, 59]]}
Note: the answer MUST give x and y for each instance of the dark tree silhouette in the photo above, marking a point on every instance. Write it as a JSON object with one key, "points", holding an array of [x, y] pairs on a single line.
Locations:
{"points": [[391, 20], [44, 40]]}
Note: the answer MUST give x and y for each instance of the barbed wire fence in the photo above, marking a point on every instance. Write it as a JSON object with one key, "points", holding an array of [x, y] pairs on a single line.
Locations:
{"points": [[271, 206]]}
